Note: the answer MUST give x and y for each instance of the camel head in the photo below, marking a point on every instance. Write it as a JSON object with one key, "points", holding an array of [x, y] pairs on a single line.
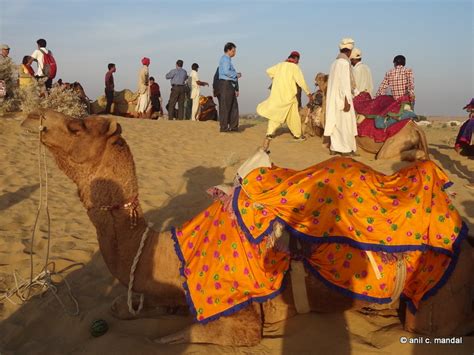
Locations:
{"points": [[321, 80], [84, 149]]}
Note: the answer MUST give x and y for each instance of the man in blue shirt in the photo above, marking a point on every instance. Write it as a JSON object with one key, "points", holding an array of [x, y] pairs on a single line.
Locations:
{"points": [[178, 78], [228, 91]]}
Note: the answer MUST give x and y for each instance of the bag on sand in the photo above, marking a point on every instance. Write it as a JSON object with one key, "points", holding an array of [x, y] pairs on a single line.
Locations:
{"points": [[49, 65]]}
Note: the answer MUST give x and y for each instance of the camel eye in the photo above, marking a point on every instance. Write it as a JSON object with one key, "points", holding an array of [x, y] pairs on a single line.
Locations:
{"points": [[75, 126]]}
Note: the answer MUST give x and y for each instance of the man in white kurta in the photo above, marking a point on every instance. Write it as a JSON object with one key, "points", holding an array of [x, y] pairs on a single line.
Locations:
{"points": [[341, 123], [195, 90], [362, 74], [143, 89], [282, 104]]}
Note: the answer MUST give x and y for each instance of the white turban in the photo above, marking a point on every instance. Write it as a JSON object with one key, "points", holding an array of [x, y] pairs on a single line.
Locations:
{"points": [[346, 43], [356, 53]]}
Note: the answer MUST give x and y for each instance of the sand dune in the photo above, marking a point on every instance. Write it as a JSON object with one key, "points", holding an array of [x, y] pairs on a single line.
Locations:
{"points": [[176, 162]]}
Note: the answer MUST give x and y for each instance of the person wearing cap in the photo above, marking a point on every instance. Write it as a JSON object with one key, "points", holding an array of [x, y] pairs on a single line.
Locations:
{"points": [[362, 74], [282, 104], [4, 55], [341, 124], [143, 89], [399, 80], [6, 83], [177, 78], [464, 144], [195, 85]]}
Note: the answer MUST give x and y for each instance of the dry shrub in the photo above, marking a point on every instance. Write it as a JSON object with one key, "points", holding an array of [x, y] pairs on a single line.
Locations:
{"points": [[9, 73], [60, 99]]}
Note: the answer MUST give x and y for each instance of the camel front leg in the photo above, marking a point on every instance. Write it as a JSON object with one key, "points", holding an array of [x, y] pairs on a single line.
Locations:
{"points": [[243, 328]]}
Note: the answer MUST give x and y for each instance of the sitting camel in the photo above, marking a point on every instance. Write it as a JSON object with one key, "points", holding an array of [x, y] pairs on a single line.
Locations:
{"points": [[97, 158], [124, 103], [408, 144]]}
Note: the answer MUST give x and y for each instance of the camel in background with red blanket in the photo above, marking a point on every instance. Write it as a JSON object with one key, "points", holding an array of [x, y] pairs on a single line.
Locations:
{"points": [[384, 124]]}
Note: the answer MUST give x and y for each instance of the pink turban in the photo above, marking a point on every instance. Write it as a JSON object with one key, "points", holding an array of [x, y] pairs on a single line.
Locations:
{"points": [[146, 61]]}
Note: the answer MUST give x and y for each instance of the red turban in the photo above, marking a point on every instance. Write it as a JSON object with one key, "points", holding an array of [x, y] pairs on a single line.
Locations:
{"points": [[294, 54], [146, 61]]}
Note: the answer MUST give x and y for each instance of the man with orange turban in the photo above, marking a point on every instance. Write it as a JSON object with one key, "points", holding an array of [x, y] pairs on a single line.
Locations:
{"points": [[143, 89]]}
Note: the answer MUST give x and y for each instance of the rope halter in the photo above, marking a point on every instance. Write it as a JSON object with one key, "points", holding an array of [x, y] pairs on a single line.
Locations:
{"points": [[132, 208]]}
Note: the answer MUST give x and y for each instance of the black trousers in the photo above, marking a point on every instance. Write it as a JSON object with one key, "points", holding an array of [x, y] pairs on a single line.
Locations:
{"points": [[228, 106], [109, 95], [49, 84], [178, 94]]}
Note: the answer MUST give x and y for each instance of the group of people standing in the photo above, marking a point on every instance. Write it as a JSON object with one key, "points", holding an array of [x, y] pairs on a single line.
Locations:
{"points": [[348, 77], [45, 67], [225, 87]]}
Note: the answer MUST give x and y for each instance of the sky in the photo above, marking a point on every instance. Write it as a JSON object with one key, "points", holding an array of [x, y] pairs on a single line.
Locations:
{"points": [[436, 37]]}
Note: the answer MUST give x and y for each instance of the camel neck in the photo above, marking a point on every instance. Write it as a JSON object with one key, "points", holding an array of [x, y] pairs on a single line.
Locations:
{"points": [[119, 235], [109, 191]]}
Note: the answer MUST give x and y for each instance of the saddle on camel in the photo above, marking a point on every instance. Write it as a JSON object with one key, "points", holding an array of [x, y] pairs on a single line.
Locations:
{"points": [[372, 240], [384, 124]]}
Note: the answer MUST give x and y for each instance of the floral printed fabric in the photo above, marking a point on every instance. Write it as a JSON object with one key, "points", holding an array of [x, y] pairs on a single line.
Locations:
{"points": [[344, 208], [224, 272]]}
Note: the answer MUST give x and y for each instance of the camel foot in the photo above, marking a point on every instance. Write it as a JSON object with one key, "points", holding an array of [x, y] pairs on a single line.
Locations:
{"points": [[183, 336], [243, 328]]}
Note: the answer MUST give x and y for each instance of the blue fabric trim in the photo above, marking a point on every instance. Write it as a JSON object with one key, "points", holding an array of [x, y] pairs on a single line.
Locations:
{"points": [[448, 185], [365, 246], [409, 303], [244, 304], [332, 239], [319, 240], [227, 312], [343, 290], [240, 221], [447, 274], [177, 249]]}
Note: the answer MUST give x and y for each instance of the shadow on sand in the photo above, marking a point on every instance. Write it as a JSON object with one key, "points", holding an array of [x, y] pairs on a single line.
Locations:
{"points": [[10, 199]]}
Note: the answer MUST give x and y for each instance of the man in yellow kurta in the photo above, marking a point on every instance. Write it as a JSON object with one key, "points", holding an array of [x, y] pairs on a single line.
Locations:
{"points": [[282, 105]]}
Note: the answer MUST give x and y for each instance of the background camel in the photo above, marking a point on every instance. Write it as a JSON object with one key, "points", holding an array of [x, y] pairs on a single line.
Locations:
{"points": [[408, 144], [124, 103], [94, 155]]}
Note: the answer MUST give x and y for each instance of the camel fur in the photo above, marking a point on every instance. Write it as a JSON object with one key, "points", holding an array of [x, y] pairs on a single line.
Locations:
{"points": [[93, 153], [124, 104]]}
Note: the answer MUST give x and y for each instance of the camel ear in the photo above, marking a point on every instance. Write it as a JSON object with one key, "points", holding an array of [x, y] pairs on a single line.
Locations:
{"points": [[113, 128], [75, 126]]}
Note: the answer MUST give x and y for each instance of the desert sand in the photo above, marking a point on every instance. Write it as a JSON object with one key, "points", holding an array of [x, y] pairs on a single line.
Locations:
{"points": [[176, 162]]}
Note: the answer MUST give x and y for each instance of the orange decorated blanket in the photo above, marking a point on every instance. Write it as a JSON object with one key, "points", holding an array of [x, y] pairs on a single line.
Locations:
{"points": [[344, 209]]}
